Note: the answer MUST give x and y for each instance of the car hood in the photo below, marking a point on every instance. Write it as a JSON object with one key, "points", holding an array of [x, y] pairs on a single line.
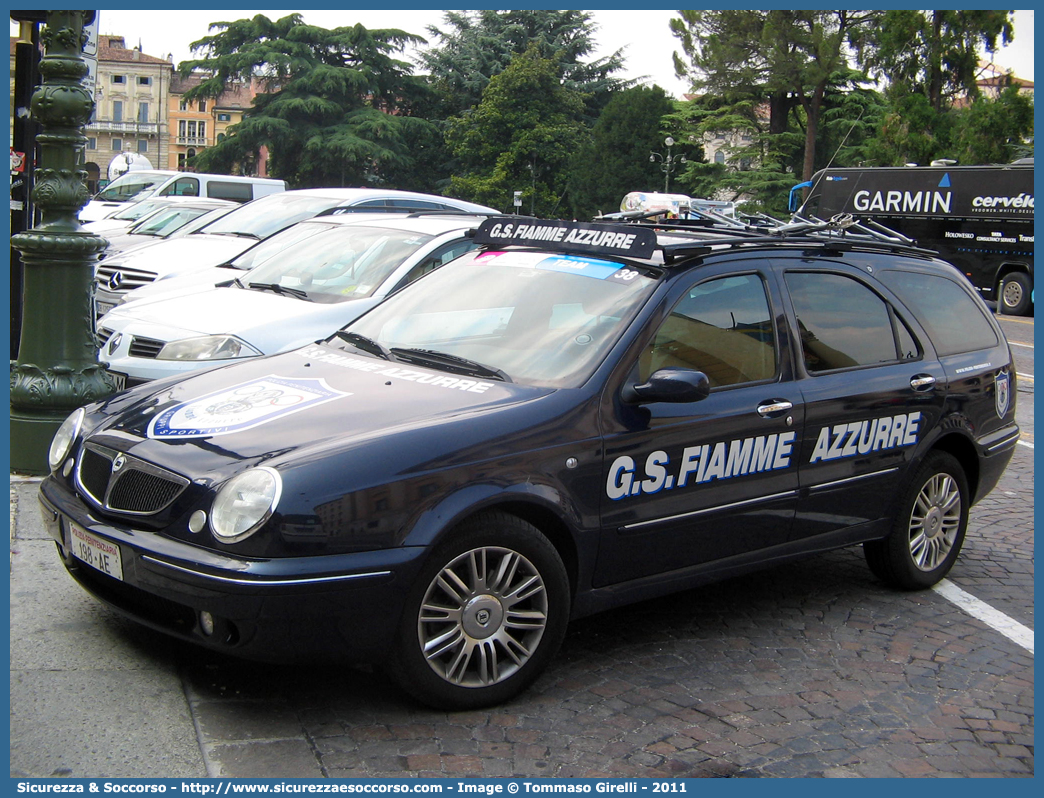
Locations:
{"points": [[185, 254], [270, 322], [181, 284], [294, 408]]}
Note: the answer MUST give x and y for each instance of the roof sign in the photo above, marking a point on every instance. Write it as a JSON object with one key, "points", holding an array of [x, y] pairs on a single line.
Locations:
{"points": [[562, 236]]}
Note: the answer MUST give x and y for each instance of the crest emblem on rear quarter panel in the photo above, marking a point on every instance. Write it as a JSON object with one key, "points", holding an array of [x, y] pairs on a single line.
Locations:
{"points": [[1002, 392]]}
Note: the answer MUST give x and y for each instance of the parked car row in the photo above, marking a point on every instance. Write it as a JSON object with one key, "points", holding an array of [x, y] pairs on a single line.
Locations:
{"points": [[557, 419], [186, 257]]}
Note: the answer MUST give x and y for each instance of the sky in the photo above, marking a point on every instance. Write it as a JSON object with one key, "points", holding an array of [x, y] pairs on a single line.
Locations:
{"points": [[644, 35]]}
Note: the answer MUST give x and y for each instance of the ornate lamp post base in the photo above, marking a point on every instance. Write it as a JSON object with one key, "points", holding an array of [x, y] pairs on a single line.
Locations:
{"points": [[57, 368]]}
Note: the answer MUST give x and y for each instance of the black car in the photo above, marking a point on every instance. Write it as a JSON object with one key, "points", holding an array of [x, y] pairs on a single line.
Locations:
{"points": [[571, 417]]}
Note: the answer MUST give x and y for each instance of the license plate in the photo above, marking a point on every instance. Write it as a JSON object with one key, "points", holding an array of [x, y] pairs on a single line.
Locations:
{"points": [[103, 308], [119, 380], [95, 551]]}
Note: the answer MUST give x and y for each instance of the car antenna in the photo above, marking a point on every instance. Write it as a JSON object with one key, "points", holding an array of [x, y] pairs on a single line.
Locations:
{"points": [[812, 186]]}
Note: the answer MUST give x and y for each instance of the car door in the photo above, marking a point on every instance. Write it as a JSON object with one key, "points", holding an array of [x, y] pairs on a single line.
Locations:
{"points": [[871, 387], [688, 484]]}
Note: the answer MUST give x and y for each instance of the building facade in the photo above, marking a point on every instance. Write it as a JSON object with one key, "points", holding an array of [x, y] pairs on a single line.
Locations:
{"points": [[197, 124], [130, 113]]}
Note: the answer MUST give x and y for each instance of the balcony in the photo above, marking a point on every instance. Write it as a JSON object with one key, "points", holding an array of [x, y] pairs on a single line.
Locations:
{"points": [[192, 141], [132, 128]]}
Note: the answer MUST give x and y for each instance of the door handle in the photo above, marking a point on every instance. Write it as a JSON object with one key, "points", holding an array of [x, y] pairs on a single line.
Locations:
{"points": [[922, 382], [774, 407]]}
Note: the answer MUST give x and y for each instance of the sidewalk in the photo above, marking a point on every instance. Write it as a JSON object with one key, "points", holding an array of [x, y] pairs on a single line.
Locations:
{"points": [[83, 702]]}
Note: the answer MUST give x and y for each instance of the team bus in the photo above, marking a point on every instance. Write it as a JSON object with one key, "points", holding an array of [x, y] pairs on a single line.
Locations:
{"points": [[980, 218]]}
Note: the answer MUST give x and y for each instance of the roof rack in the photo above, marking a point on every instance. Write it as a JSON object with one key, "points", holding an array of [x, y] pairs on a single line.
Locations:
{"points": [[714, 230]]}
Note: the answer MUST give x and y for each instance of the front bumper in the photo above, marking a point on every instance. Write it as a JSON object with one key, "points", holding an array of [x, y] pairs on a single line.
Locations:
{"points": [[345, 606]]}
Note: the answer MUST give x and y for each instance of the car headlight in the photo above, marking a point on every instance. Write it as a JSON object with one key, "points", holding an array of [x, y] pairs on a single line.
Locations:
{"points": [[63, 439], [244, 503], [207, 347]]}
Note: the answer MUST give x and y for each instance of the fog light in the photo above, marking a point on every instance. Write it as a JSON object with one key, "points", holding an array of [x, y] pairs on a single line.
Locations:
{"points": [[197, 521], [206, 623]]}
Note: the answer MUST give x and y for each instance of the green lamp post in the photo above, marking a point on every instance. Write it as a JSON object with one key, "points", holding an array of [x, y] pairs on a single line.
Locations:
{"points": [[57, 368]]}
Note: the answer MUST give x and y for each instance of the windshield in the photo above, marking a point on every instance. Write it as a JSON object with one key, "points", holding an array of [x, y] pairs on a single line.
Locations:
{"points": [[166, 221], [199, 222], [262, 217], [140, 209], [335, 262], [539, 319], [126, 187]]}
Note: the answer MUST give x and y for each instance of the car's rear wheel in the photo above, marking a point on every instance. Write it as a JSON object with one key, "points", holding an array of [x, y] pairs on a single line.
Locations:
{"points": [[1016, 294], [486, 615], [928, 529]]}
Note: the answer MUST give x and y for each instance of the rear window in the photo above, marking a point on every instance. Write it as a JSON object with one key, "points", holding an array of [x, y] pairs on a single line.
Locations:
{"points": [[950, 314]]}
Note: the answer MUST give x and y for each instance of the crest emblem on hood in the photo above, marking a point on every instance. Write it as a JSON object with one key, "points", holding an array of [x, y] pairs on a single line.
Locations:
{"points": [[241, 407]]}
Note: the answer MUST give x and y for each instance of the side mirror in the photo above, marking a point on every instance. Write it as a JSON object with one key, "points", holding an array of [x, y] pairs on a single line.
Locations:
{"points": [[669, 385]]}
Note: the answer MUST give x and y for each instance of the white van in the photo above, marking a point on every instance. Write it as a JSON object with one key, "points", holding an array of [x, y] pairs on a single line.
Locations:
{"points": [[141, 184]]}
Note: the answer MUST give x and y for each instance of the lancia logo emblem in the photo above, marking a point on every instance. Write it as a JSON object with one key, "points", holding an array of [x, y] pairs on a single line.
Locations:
{"points": [[1002, 385], [118, 462], [115, 281]]}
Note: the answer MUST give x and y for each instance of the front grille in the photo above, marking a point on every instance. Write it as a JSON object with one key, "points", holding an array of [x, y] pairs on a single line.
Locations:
{"points": [[128, 279], [146, 347], [104, 334], [124, 484]]}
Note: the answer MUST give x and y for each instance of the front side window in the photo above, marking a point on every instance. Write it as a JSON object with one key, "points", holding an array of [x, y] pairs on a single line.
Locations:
{"points": [[843, 324], [722, 327], [182, 187]]}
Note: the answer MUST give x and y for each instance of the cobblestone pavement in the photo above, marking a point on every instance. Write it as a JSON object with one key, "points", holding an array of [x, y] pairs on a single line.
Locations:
{"points": [[807, 670]]}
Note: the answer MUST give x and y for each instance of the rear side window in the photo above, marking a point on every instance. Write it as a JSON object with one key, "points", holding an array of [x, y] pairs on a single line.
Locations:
{"points": [[237, 192], [954, 320], [844, 324]]}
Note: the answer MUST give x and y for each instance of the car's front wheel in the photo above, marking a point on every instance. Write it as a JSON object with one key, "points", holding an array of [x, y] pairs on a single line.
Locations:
{"points": [[486, 615], [928, 529]]}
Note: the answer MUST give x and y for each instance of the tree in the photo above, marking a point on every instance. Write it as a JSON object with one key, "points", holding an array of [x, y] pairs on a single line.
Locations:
{"points": [[616, 159], [478, 45], [934, 53], [520, 137], [994, 130], [336, 107], [792, 59]]}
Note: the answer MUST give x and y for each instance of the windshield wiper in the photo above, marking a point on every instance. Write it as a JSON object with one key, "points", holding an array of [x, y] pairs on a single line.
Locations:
{"points": [[236, 233], [280, 289], [451, 363], [365, 344]]}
